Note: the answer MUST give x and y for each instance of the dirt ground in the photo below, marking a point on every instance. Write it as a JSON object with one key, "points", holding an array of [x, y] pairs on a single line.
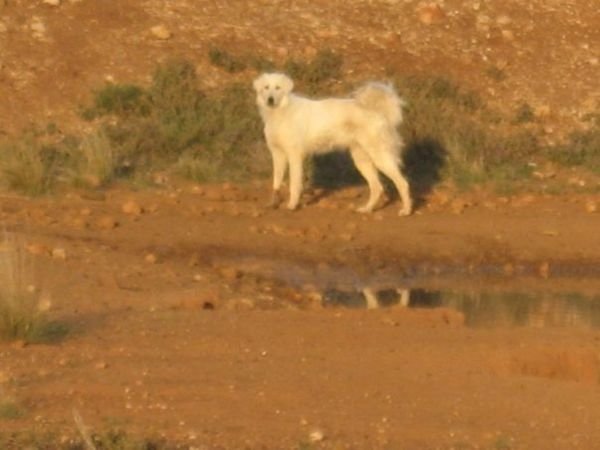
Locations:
{"points": [[198, 314]]}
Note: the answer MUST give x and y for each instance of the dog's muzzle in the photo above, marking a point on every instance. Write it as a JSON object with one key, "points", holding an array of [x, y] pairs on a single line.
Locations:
{"points": [[271, 101]]}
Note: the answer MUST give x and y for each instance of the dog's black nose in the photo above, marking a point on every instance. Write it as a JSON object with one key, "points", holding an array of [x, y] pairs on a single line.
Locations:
{"points": [[270, 101]]}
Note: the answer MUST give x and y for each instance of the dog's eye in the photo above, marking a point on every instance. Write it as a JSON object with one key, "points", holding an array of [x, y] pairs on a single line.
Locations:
{"points": [[266, 87], [277, 88]]}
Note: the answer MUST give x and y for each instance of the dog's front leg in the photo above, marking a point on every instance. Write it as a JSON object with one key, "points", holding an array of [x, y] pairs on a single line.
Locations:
{"points": [[295, 179], [279, 167]]}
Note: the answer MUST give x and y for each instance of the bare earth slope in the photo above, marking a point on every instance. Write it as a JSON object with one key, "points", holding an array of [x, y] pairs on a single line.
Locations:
{"points": [[53, 56]]}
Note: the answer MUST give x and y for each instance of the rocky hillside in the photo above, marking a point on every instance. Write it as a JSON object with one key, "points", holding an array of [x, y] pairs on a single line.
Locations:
{"points": [[543, 53]]}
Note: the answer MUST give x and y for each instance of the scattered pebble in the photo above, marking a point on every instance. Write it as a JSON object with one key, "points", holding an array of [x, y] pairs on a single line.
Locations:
{"points": [[132, 208], [59, 253], [316, 436], [107, 223], [430, 13], [161, 32], [37, 249], [151, 258]]}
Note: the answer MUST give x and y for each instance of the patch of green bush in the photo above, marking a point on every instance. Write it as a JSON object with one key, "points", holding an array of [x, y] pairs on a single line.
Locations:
{"points": [[30, 166], [312, 75], [9, 410], [582, 147], [451, 134]]}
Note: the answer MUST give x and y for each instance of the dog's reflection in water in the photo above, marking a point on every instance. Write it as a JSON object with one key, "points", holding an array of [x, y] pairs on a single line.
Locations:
{"points": [[372, 298]]}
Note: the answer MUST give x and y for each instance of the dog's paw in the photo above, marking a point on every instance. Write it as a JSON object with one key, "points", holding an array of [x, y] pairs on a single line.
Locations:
{"points": [[364, 210], [404, 212], [292, 206]]}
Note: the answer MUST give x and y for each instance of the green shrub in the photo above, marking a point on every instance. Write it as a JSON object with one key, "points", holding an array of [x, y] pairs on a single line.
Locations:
{"points": [[325, 66], [225, 60], [118, 99], [29, 166], [524, 114], [451, 134], [9, 410], [582, 147]]}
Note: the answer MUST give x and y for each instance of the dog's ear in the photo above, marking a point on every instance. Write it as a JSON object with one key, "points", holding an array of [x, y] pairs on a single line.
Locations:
{"points": [[288, 84], [257, 82]]}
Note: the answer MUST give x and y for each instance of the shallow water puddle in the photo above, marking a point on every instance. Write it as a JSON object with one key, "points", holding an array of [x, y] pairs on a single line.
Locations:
{"points": [[477, 298], [481, 308]]}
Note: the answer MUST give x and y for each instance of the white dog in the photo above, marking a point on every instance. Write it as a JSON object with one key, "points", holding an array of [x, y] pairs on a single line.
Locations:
{"points": [[365, 124]]}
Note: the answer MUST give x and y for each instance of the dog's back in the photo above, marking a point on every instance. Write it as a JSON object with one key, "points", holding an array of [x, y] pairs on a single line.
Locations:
{"points": [[381, 98]]}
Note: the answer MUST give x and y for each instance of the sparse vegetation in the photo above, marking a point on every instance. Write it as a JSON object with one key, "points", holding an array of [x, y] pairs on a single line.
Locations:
{"points": [[312, 75], [28, 165], [107, 440], [582, 148], [22, 316], [9, 410], [524, 114], [226, 60], [450, 133]]}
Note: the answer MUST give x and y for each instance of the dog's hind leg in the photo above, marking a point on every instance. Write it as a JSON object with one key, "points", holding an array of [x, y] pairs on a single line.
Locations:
{"points": [[388, 165], [366, 168], [295, 160], [279, 167]]}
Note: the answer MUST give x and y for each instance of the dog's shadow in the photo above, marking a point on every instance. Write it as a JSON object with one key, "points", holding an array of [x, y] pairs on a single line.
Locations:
{"points": [[424, 160]]}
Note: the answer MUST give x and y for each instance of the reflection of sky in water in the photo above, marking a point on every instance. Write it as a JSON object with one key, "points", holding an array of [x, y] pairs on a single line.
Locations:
{"points": [[482, 308]]}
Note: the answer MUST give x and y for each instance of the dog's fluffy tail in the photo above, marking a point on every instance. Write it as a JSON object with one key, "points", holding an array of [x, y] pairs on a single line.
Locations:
{"points": [[382, 98]]}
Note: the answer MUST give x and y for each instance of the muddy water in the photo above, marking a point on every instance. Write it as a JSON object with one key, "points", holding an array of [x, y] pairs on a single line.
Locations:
{"points": [[484, 302], [481, 308]]}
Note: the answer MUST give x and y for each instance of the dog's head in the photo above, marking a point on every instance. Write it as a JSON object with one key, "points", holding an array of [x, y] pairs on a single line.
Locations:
{"points": [[272, 89]]}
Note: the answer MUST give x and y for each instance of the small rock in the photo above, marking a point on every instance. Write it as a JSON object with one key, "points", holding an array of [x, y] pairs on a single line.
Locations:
{"points": [[37, 249], [591, 206], [542, 111], [101, 365], [551, 233], [503, 20], [509, 269], [44, 304], [544, 269], [161, 32], [19, 344], [107, 223], [316, 436], [459, 205], [38, 27], [51, 2], [508, 35], [59, 253], [151, 258], [430, 13], [131, 207], [230, 273]]}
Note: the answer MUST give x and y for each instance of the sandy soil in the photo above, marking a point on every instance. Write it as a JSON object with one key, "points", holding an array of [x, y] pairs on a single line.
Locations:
{"points": [[197, 314]]}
